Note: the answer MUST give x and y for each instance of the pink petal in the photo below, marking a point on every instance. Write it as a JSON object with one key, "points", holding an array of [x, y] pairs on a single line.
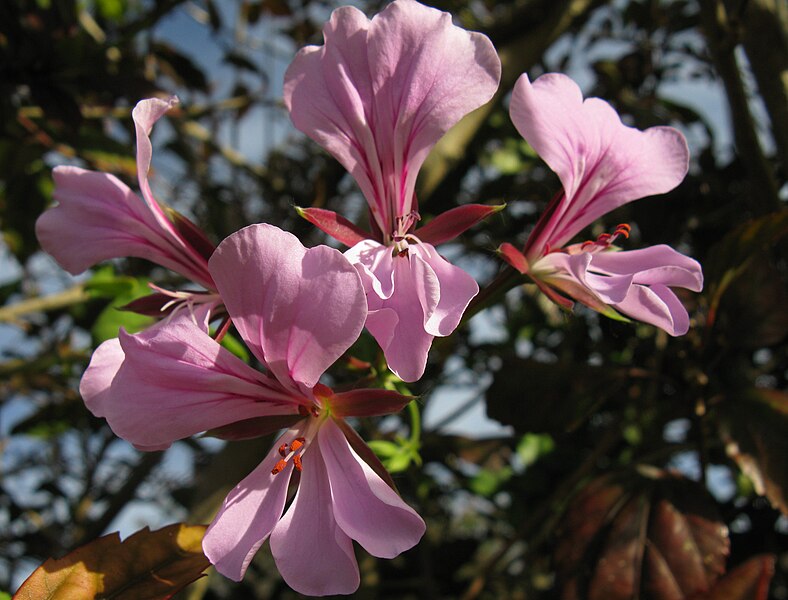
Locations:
{"points": [[97, 379], [654, 264], [379, 94], [98, 217], [397, 323], [248, 515], [455, 290], [314, 556], [366, 509], [145, 115], [176, 381], [298, 310], [601, 162], [375, 264], [656, 305]]}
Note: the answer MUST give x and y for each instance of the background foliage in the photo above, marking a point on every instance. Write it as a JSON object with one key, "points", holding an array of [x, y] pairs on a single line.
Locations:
{"points": [[628, 464]]}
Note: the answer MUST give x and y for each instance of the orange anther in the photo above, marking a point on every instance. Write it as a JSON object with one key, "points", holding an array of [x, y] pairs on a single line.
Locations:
{"points": [[278, 467], [297, 463], [604, 238], [283, 450], [297, 444], [624, 226]]}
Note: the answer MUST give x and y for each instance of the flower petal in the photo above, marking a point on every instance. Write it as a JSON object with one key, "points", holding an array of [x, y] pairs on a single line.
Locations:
{"points": [[176, 381], [298, 310], [379, 94], [601, 162], [248, 515], [397, 323], [314, 556], [654, 264], [97, 379], [98, 217], [456, 289], [365, 507], [656, 305]]}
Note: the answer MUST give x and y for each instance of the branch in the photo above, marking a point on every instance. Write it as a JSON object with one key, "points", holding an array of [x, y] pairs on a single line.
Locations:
{"points": [[12, 313]]}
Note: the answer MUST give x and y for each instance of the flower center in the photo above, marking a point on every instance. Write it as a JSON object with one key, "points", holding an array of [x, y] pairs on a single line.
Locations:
{"points": [[401, 234]]}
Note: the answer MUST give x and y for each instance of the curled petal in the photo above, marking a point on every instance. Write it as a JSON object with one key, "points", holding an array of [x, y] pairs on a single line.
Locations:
{"points": [[299, 310], [659, 264], [601, 162], [379, 94], [365, 507], [176, 381], [314, 556], [98, 217], [97, 379], [636, 283], [656, 305], [456, 290], [248, 515]]}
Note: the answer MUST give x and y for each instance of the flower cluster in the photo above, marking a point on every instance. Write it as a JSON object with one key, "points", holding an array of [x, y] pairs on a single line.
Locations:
{"points": [[377, 95]]}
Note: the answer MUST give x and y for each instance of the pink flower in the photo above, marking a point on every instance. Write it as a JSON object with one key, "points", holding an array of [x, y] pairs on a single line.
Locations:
{"points": [[602, 165], [378, 95], [298, 311], [98, 217]]}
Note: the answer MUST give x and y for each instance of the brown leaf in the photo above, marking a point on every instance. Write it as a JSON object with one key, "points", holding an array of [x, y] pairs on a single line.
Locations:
{"points": [[748, 581], [753, 428], [149, 564], [651, 534]]}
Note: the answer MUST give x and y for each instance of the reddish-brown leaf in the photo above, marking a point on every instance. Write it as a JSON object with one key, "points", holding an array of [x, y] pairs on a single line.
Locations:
{"points": [[448, 225], [748, 581], [650, 534], [153, 565]]}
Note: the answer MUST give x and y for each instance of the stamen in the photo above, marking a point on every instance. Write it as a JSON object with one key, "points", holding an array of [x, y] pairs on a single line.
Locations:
{"points": [[623, 229], [291, 451]]}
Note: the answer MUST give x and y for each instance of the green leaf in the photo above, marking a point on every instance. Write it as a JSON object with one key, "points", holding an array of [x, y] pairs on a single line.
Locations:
{"points": [[112, 318], [149, 564], [532, 446], [487, 481]]}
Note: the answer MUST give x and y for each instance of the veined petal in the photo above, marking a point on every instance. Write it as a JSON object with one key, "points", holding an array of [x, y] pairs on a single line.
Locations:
{"points": [[97, 379], [397, 323], [176, 381], [375, 264], [652, 265], [98, 217], [248, 515], [145, 114], [379, 94], [601, 162], [314, 556], [656, 305], [364, 506], [299, 310], [455, 290]]}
